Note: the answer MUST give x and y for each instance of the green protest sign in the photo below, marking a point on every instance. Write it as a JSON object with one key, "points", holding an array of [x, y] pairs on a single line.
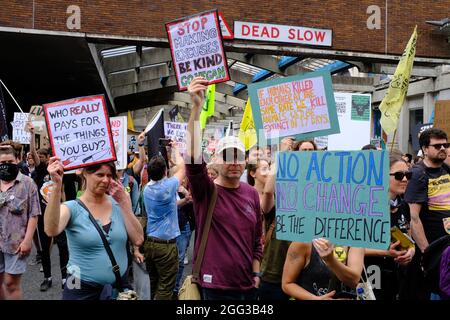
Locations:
{"points": [[302, 106], [338, 195]]}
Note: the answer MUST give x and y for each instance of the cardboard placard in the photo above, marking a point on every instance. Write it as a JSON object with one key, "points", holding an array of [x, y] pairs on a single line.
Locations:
{"points": [[302, 106], [354, 115], [176, 131], [38, 120], [338, 195], [442, 115], [119, 133], [80, 132], [20, 133], [197, 49]]}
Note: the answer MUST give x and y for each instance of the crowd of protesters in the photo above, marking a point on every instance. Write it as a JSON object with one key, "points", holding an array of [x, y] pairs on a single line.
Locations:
{"points": [[149, 211]]}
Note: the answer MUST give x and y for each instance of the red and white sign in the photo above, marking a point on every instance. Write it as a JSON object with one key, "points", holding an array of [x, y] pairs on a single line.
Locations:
{"points": [[80, 132], [197, 49], [280, 33], [225, 27]]}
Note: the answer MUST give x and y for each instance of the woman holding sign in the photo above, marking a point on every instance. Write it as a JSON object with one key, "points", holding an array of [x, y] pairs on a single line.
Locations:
{"points": [[321, 271], [103, 207], [391, 263]]}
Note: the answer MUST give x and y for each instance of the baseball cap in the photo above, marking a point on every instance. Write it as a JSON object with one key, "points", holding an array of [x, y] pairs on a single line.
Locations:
{"points": [[230, 142]]}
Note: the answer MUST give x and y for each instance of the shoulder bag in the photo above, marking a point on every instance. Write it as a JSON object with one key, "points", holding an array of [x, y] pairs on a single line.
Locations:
{"points": [[190, 290]]}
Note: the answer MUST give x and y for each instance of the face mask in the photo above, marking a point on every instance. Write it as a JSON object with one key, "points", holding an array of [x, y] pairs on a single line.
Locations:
{"points": [[8, 171]]}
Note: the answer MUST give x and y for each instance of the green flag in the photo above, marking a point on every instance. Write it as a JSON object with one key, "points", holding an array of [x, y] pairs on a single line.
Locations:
{"points": [[208, 106]]}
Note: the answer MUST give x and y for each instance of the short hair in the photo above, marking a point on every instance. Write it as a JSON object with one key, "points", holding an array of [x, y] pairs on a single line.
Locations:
{"points": [[212, 166], [369, 147], [17, 147], [432, 133], [298, 144], [43, 151], [4, 149], [409, 156], [157, 168]]}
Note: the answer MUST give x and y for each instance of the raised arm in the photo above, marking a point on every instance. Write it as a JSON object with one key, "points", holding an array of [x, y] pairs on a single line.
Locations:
{"points": [[268, 196], [132, 224], [137, 168], [56, 215], [349, 274], [33, 152], [180, 167], [296, 261], [197, 92]]}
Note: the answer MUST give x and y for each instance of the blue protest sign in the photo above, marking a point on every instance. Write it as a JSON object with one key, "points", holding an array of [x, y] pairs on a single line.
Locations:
{"points": [[338, 195]]}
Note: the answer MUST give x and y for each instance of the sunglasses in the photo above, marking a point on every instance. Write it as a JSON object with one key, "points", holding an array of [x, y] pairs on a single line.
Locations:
{"points": [[438, 146], [399, 175]]}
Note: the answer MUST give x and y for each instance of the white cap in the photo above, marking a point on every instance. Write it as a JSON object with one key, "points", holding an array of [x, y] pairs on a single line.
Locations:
{"points": [[229, 142]]}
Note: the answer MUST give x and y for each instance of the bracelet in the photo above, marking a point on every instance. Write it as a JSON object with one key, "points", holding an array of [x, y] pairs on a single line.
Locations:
{"points": [[140, 145], [257, 274]]}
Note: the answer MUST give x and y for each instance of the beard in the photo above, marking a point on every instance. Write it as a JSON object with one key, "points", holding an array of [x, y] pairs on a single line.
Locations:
{"points": [[439, 159]]}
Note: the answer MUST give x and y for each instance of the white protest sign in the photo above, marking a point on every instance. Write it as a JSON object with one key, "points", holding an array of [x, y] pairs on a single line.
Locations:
{"points": [[119, 133], [176, 131], [197, 49], [80, 132], [354, 114], [38, 120], [20, 134]]}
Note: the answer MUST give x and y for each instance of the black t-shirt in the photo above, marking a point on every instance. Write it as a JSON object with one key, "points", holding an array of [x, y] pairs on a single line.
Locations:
{"points": [[430, 187], [40, 176]]}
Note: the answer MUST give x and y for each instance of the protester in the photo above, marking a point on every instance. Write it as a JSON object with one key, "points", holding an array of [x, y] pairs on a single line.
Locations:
{"points": [[251, 156], [274, 250], [305, 145], [391, 262], [427, 195], [89, 264], [186, 222], [19, 209], [213, 171], [313, 271], [231, 263], [160, 198]]}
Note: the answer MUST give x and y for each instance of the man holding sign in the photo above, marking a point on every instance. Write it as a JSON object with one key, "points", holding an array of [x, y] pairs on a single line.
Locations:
{"points": [[231, 263]]}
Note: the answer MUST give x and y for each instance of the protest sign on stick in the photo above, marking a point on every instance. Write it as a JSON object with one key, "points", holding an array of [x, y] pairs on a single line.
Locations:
{"points": [[197, 49], [119, 133], [80, 132], [20, 133], [302, 106], [339, 195]]}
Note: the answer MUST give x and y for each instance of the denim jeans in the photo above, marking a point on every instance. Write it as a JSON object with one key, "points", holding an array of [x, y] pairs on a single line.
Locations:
{"points": [[182, 244]]}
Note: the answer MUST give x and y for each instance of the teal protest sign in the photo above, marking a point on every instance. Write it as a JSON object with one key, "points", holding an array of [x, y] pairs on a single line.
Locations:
{"points": [[338, 195], [302, 106]]}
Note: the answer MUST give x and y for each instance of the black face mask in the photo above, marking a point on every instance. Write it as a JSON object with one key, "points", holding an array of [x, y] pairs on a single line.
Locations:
{"points": [[8, 171]]}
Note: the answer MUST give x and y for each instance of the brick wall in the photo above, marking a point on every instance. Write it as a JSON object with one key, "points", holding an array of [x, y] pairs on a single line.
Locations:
{"points": [[347, 18]]}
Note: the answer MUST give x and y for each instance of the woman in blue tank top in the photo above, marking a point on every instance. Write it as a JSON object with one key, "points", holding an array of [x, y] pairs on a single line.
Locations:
{"points": [[89, 264]]}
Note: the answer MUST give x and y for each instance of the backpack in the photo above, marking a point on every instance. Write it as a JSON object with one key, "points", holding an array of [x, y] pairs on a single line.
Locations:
{"points": [[431, 262], [444, 278]]}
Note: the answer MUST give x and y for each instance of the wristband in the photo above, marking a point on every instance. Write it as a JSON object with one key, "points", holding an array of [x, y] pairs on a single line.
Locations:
{"points": [[140, 145], [257, 274]]}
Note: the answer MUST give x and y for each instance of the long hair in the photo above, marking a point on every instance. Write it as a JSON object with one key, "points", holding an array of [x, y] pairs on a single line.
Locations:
{"points": [[252, 167]]}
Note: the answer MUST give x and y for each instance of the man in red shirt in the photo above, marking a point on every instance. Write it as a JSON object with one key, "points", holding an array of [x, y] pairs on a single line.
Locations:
{"points": [[231, 264]]}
